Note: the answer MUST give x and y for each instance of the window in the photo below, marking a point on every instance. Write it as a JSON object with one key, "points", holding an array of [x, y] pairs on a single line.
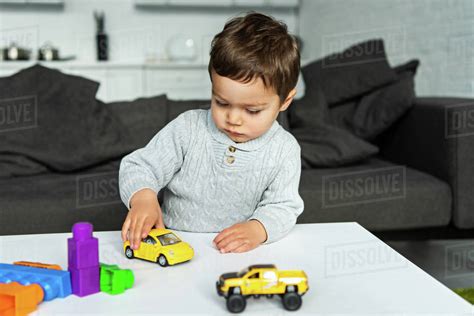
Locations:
{"points": [[255, 276], [149, 240], [269, 275], [168, 239]]}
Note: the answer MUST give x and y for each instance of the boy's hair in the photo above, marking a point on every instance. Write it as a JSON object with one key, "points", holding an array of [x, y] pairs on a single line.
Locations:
{"points": [[255, 46]]}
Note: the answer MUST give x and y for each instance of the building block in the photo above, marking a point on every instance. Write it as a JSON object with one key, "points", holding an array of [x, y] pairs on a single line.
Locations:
{"points": [[53, 282], [114, 280], [83, 260], [19, 300], [82, 248], [37, 265], [85, 281]]}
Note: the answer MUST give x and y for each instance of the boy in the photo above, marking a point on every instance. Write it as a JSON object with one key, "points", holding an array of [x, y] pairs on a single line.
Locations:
{"points": [[232, 168]]}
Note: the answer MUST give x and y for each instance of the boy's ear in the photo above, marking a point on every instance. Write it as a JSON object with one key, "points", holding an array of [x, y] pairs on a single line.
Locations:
{"points": [[288, 100]]}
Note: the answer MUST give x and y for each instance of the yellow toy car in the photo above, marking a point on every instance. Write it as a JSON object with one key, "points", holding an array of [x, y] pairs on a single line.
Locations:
{"points": [[259, 280], [161, 246]]}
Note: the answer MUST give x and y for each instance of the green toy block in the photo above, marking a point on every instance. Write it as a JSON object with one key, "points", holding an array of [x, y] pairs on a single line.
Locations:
{"points": [[467, 294], [114, 280]]}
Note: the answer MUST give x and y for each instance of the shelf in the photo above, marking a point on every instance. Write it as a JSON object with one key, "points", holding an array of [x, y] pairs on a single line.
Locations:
{"points": [[99, 64], [33, 2], [283, 4]]}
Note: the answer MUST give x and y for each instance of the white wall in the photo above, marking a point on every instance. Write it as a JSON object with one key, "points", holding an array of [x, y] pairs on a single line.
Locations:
{"points": [[135, 33], [438, 32]]}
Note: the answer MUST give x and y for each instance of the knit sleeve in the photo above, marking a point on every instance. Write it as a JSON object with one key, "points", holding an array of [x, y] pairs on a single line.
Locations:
{"points": [[154, 165], [281, 203]]}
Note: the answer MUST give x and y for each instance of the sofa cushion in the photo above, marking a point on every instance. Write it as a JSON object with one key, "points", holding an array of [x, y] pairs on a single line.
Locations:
{"points": [[322, 143], [355, 71], [52, 203], [69, 129], [370, 115], [377, 194], [326, 145], [378, 110], [142, 118]]}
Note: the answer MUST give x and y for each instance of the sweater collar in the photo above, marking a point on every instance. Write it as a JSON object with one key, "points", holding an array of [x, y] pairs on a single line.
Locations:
{"points": [[250, 145]]}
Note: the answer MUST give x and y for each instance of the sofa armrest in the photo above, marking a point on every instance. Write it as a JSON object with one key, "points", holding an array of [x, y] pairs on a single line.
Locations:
{"points": [[437, 136]]}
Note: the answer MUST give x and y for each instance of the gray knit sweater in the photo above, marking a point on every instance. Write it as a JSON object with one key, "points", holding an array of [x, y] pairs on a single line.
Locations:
{"points": [[210, 182]]}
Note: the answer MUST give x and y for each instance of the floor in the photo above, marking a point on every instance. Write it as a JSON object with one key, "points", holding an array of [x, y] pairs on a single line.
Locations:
{"points": [[449, 261]]}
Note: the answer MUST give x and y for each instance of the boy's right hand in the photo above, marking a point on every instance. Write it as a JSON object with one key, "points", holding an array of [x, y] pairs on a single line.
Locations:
{"points": [[145, 212]]}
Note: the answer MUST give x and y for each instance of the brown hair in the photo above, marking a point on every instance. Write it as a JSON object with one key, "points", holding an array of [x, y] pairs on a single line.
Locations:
{"points": [[255, 46]]}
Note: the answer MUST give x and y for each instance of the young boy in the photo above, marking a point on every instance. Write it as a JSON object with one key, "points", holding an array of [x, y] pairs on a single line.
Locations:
{"points": [[232, 168]]}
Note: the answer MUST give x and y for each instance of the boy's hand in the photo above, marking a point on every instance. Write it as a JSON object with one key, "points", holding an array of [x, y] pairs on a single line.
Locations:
{"points": [[241, 237], [145, 212]]}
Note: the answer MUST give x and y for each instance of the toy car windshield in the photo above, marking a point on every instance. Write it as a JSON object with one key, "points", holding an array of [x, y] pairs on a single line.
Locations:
{"points": [[243, 272], [168, 239]]}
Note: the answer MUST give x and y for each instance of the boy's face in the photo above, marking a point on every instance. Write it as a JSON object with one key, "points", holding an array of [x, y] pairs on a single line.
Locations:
{"points": [[245, 111]]}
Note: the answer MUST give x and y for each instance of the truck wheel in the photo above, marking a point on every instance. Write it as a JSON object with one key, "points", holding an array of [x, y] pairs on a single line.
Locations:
{"points": [[129, 253], [292, 301], [236, 303], [162, 261]]}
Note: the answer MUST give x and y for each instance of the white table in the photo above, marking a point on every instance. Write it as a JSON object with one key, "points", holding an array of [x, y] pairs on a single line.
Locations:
{"points": [[350, 271]]}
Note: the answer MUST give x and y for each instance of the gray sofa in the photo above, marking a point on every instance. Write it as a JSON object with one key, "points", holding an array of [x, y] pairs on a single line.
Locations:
{"points": [[427, 167]]}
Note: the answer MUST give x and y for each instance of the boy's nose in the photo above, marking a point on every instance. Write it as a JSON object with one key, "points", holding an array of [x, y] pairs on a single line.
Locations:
{"points": [[233, 118]]}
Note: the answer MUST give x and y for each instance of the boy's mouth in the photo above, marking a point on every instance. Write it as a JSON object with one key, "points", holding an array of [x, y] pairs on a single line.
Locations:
{"points": [[233, 133]]}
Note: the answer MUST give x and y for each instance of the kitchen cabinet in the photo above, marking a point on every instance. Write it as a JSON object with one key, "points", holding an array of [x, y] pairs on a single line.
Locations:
{"points": [[193, 83], [128, 81]]}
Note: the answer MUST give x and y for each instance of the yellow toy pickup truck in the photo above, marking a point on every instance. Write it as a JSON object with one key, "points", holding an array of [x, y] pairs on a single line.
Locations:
{"points": [[264, 279]]}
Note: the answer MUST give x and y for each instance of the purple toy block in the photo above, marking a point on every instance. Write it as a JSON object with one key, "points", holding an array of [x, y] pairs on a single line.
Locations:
{"points": [[83, 260], [85, 281], [82, 248]]}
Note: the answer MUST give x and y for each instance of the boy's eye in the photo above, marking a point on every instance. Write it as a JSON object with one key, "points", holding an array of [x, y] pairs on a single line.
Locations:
{"points": [[220, 103], [254, 112]]}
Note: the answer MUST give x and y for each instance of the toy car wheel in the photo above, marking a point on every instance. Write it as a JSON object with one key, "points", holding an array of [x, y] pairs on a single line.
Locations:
{"points": [[292, 301], [269, 295], [162, 261], [236, 303], [129, 253]]}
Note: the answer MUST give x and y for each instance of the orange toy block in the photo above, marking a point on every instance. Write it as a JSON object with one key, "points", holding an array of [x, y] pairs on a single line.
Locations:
{"points": [[38, 265], [19, 300]]}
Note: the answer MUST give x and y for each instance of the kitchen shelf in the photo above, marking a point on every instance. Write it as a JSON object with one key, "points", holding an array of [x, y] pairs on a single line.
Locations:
{"points": [[32, 2], [240, 4]]}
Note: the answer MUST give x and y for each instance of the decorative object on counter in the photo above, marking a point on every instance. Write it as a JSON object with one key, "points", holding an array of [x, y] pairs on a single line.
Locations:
{"points": [[101, 37], [181, 49], [14, 52], [49, 53]]}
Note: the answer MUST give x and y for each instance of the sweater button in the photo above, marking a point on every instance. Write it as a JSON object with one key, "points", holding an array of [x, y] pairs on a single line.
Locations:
{"points": [[230, 159], [232, 149]]}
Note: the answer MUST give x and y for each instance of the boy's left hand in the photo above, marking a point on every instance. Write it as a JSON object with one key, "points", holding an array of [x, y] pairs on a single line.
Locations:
{"points": [[241, 237]]}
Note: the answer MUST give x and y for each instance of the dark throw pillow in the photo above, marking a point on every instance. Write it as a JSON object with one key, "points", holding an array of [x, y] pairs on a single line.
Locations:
{"points": [[310, 109], [357, 70], [143, 118], [322, 144], [329, 146], [58, 124], [378, 110]]}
